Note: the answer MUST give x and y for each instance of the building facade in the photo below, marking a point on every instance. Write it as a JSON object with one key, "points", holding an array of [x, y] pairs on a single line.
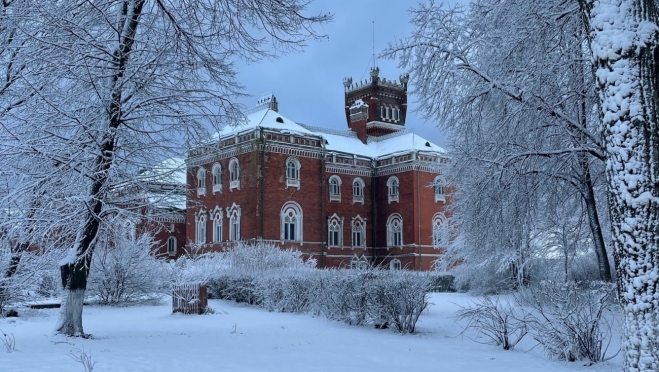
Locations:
{"points": [[371, 195]]}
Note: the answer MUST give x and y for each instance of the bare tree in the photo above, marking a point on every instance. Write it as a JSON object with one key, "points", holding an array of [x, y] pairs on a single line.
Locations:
{"points": [[510, 83], [129, 81]]}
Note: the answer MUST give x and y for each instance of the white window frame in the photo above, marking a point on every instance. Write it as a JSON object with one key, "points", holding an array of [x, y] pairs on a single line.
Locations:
{"points": [[234, 174], [291, 210], [395, 264], [358, 225], [335, 181], [200, 227], [359, 263], [216, 216], [393, 189], [439, 230], [233, 215], [171, 243], [217, 177], [439, 189], [395, 227], [335, 223], [292, 172], [201, 181], [358, 184]]}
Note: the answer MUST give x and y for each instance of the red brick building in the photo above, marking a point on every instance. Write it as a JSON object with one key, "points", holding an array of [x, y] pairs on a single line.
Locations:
{"points": [[373, 194]]}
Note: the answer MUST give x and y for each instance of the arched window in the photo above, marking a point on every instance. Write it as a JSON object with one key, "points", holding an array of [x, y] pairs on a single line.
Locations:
{"points": [[291, 221], [171, 246], [233, 213], [360, 263], [217, 178], [394, 264], [335, 231], [335, 188], [392, 185], [439, 230], [201, 181], [293, 172], [234, 174], [217, 216], [396, 114], [395, 230], [358, 227], [388, 112], [129, 229], [357, 191], [200, 227], [438, 186]]}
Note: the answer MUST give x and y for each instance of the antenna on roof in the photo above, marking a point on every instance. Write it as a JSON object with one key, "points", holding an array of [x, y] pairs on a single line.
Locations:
{"points": [[374, 64]]}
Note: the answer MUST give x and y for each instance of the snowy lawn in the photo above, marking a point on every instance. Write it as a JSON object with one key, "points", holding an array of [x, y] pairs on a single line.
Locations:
{"points": [[241, 338]]}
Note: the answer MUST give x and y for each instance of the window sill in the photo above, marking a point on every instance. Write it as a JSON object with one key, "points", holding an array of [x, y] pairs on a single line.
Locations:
{"points": [[201, 191], [357, 199], [217, 188], [393, 198], [293, 183], [234, 185], [440, 198], [335, 197]]}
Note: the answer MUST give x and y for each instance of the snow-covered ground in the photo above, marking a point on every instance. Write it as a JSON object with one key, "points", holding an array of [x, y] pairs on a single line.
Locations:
{"points": [[241, 338]]}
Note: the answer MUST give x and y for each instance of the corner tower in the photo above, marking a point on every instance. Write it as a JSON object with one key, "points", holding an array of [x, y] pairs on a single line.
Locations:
{"points": [[377, 107]]}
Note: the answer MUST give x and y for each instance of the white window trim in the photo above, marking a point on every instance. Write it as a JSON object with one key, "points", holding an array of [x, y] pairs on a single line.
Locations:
{"points": [[170, 251], [339, 224], [200, 227], [362, 221], [201, 181], [358, 198], [390, 233], [296, 209], [233, 212], [234, 182], [439, 197], [335, 196], [359, 263], [395, 264], [293, 182], [216, 216], [217, 171], [439, 225], [390, 182]]}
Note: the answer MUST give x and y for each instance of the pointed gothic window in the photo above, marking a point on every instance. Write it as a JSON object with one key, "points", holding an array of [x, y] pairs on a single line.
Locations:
{"points": [[200, 227], [171, 246], [233, 214], [439, 230], [335, 230], [358, 226], [439, 185], [217, 216], [395, 230]]}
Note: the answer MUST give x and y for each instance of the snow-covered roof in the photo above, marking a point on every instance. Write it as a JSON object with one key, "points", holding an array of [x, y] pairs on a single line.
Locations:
{"points": [[336, 140]]}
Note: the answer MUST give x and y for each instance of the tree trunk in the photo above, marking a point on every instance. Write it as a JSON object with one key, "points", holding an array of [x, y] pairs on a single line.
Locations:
{"points": [[623, 35], [75, 272], [594, 222]]}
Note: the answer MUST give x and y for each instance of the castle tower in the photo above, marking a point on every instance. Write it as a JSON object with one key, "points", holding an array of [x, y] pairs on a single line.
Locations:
{"points": [[377, 107]]}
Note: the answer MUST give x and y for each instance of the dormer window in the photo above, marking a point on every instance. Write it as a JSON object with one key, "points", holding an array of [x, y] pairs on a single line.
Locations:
{"points": [[201, 181]]}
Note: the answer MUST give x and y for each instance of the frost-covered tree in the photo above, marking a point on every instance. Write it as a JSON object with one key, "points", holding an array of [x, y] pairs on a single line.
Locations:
{"points": [[624, 40], [118, 84], [511, 82]]}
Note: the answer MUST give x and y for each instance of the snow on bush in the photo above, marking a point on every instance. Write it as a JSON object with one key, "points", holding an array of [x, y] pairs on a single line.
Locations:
{"points": [[571, 321], [125, 269], [262, 256], [501, 322]]}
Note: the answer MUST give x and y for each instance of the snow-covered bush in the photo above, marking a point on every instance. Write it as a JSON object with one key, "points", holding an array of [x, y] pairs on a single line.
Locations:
{"points": [[571, 321], [501, 322], [292, 292], [262, 256], [125, 269], [195, 267], [401, 297]]}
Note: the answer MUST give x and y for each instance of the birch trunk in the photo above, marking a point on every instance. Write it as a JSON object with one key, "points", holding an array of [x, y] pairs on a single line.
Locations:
{"points": [[624, 46]]}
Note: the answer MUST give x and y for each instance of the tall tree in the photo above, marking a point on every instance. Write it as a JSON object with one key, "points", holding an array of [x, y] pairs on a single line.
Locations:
{"points": [[624, 39], [509, 81], [127, 82]]}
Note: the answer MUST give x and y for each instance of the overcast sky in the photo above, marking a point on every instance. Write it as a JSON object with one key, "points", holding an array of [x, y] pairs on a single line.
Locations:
{"points": [[309, 85]]}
